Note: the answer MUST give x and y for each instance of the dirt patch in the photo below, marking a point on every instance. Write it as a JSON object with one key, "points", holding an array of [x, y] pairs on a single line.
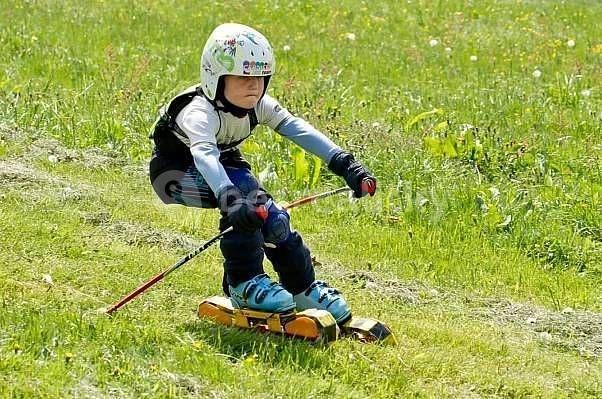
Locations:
{"points": [[133, 234], [86, 388], [9, 133], [33, 184], [139, 235], [187, 385], [51, 148], [579, 331], [405, 292], [571, 329], [55, 152], [16, 174]]}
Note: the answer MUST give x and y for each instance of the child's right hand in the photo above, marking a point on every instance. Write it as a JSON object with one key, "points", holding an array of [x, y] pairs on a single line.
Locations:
{"points": [[357, 177], [242, 213]]}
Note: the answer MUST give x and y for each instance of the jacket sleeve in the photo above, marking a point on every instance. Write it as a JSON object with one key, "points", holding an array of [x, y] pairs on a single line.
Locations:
{"points": [[296, 129], [201, 126]]}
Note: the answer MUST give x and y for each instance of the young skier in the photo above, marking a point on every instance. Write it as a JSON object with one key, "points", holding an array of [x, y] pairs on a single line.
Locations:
{"points": [[196, 162]]}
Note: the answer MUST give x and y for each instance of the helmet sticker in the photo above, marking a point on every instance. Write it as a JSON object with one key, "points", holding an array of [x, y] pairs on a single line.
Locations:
{"points": [[224, 59], [230, 46], [250, 36], [256, 67], [207, 68]]}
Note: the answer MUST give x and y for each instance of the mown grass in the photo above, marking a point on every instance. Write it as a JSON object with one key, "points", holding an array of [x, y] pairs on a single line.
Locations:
{"points": [[482, 248]]}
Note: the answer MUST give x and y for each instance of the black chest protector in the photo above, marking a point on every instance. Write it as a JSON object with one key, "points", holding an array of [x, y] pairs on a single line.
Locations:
{"points": [[170, 141]]}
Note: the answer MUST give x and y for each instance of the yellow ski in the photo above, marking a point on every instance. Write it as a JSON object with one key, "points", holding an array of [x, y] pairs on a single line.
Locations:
{"points": [[311, 324]]}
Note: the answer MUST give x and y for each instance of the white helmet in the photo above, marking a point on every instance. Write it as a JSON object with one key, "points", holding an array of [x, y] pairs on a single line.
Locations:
{"points": [[234, 49]]}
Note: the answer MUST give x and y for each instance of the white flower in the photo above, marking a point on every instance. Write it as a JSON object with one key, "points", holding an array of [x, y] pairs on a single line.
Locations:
{"points": [[570, 43], [53, 158], [433, 42], [448, 49], [286, 48], [465, 127], [473, 58], [376, 125], [586, 92], [46, 278], [350, 36], [537, 74]]}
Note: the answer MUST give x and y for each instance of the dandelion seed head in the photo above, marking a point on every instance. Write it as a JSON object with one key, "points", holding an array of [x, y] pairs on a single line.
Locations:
{"points": [[286, 48], [433, 42], [448, 50], [473, 58], [537, 74], [350, 36], [586, 92], [570, 43]]}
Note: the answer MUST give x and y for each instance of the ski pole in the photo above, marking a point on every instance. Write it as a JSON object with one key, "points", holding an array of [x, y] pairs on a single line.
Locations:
{"points": [[367, 186], [261, 211], [316, 197]]}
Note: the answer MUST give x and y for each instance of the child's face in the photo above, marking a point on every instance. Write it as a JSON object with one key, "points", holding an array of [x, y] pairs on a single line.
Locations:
{"points": [[243, 91]]}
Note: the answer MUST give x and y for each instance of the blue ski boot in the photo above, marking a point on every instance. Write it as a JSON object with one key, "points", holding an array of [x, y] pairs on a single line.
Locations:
{"points": [[263, 294], [320, 296]]}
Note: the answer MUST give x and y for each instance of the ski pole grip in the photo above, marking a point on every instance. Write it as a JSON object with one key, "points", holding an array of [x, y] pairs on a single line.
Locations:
{"points": [[262, 212], [369, 186]]}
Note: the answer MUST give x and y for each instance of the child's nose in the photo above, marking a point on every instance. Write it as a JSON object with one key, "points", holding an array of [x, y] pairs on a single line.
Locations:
{"points": [[254, 82]]}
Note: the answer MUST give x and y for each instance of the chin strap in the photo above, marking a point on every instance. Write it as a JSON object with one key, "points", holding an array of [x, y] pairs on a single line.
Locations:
{"points": [[231, 108]]}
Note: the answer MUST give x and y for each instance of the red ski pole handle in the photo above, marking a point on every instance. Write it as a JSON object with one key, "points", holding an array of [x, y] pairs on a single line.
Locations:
{"points": [[262, 212], [369, 186]]}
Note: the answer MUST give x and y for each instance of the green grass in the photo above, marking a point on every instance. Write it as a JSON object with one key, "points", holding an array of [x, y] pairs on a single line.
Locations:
{"points": [[482, 248]]}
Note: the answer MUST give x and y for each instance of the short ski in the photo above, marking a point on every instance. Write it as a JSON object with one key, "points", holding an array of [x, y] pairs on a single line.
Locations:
{"points": [[311, 324]]}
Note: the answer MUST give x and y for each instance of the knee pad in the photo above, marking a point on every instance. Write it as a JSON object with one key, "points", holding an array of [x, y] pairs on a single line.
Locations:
{"points": [[276, 228], [292, 261]]}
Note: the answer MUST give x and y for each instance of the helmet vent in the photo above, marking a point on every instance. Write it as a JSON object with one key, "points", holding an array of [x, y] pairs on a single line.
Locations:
{"points": [[252, 54]]}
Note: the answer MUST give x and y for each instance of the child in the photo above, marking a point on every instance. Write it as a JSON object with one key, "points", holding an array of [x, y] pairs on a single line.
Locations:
{"points": [[197, 162]]}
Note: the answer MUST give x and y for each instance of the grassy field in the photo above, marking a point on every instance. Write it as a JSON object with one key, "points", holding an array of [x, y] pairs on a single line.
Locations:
{"points": [[482, 249]]}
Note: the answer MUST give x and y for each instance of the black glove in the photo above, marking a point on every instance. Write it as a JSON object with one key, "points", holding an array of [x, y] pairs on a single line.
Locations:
{"points": [[358, 178], [241, 213]]}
